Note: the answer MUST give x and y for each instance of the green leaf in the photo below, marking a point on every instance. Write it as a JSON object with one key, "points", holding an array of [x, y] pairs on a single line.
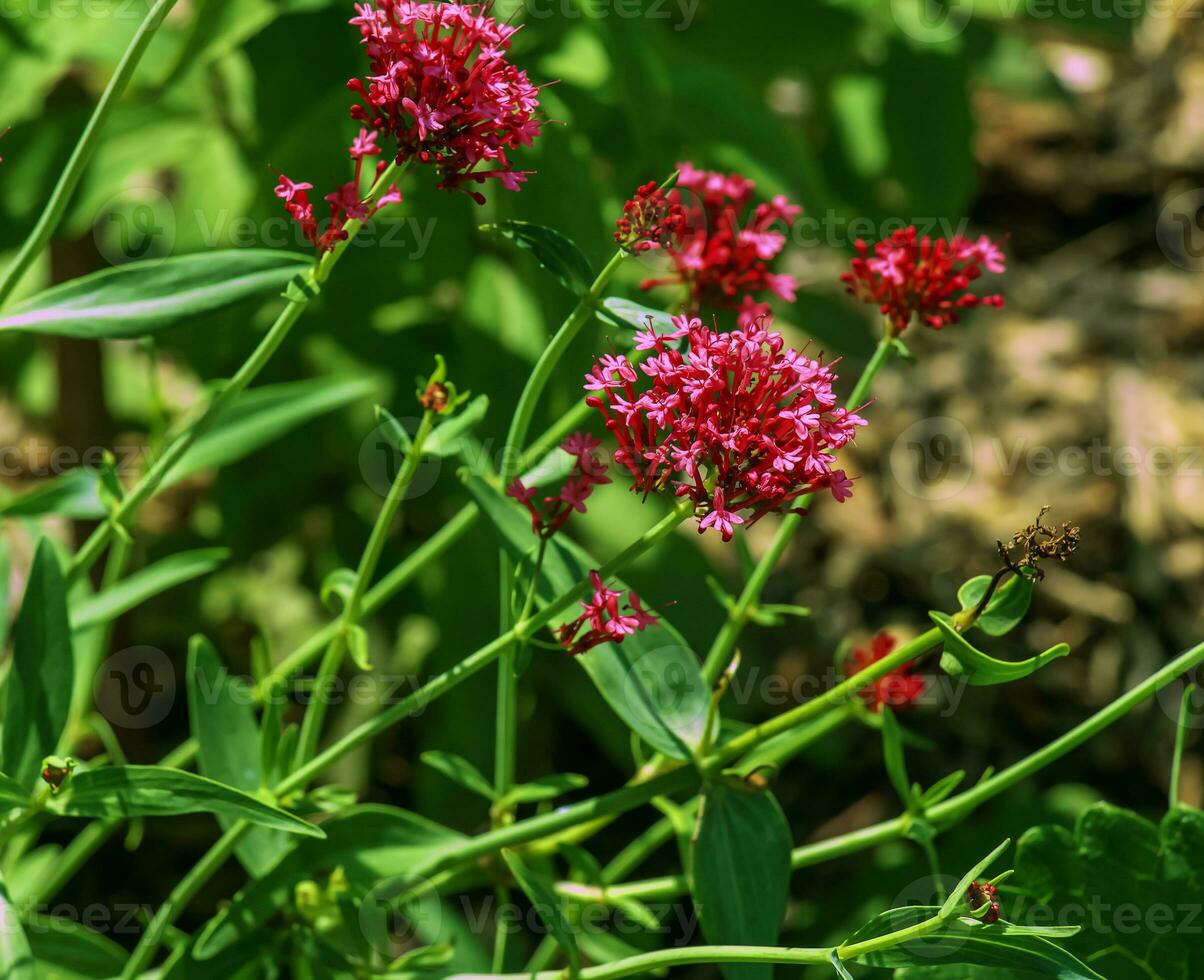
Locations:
{"points": [[740, 873], [144, 584], [651, 680], [16, 960], [155, 791], [961, 659], [1134, 886], [75, 495], [839, 967], [1007, 608], [966, 942], [448, 437], [66, 950], [261, 416], [460, 771], [43, 668], [370, 844], [625, 313], [554, 251], [223, 723], [547, 907], [141, 298], [545, 788], [12, 793], [892, 753]]}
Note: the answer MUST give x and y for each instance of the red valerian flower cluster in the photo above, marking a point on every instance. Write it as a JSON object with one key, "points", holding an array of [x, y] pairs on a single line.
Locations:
{"points": [[345, 203], [898, 689], [440, 85], [650, 220], [910, 276], [748, 424], [607, 622], [724, 255], [588, 472], [978, 895]]}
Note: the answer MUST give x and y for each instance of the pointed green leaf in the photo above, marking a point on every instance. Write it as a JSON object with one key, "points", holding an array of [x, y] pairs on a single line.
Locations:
{"points": [[145, 584], [43, 668], [66, 950], [75, 494], [448, 437], [155, 791], [545, 788], [223, 723], [12, 793], [1007, 608], [892, 753], [554, 251], [961, 659], [740, 873], [626, 314], [547, 906], [142, 298], [460, 771], [652, 679]]}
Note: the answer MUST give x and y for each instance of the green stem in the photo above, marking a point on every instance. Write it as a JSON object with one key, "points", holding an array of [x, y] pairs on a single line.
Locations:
{"points": [[1189, 693], [315, 713], [956, 808], [720, 654], [433, 689], [683, 956], [154, 477], [81, 156], [506, 726]]}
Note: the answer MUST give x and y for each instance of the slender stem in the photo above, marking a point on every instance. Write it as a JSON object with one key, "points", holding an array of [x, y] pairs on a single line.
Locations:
{"points": [[683, 956], [435, 688], [836, 697], [1189, 693], [315, 713], [506, 725], [81, 156], [720, 654], [150, 482], [956, 808], [184, 892]]}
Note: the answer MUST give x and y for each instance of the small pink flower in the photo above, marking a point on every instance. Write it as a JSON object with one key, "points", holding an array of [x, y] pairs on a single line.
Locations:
{"points": [[720, 519], [604, 616]]}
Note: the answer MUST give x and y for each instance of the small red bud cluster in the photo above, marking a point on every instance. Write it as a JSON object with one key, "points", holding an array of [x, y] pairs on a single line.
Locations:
{"points": [[980, 894], [650, 221]]}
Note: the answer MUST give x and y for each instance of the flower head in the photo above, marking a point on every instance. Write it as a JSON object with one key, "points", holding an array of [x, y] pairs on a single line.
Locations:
{"points": [[608, 622], [898, 689], [723, 255], [587, 473], [984, 893], [737, 422], [910, 276], [440, 86], [346, 203], [650, 220]]}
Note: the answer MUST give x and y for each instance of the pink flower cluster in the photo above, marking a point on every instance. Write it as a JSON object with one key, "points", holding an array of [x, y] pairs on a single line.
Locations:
{"points": [[898, 689], [607, 622], [649, 221], [588, 472], [724, 256], [345, 203], [440, 85], [749, 424], [910, 276]]}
